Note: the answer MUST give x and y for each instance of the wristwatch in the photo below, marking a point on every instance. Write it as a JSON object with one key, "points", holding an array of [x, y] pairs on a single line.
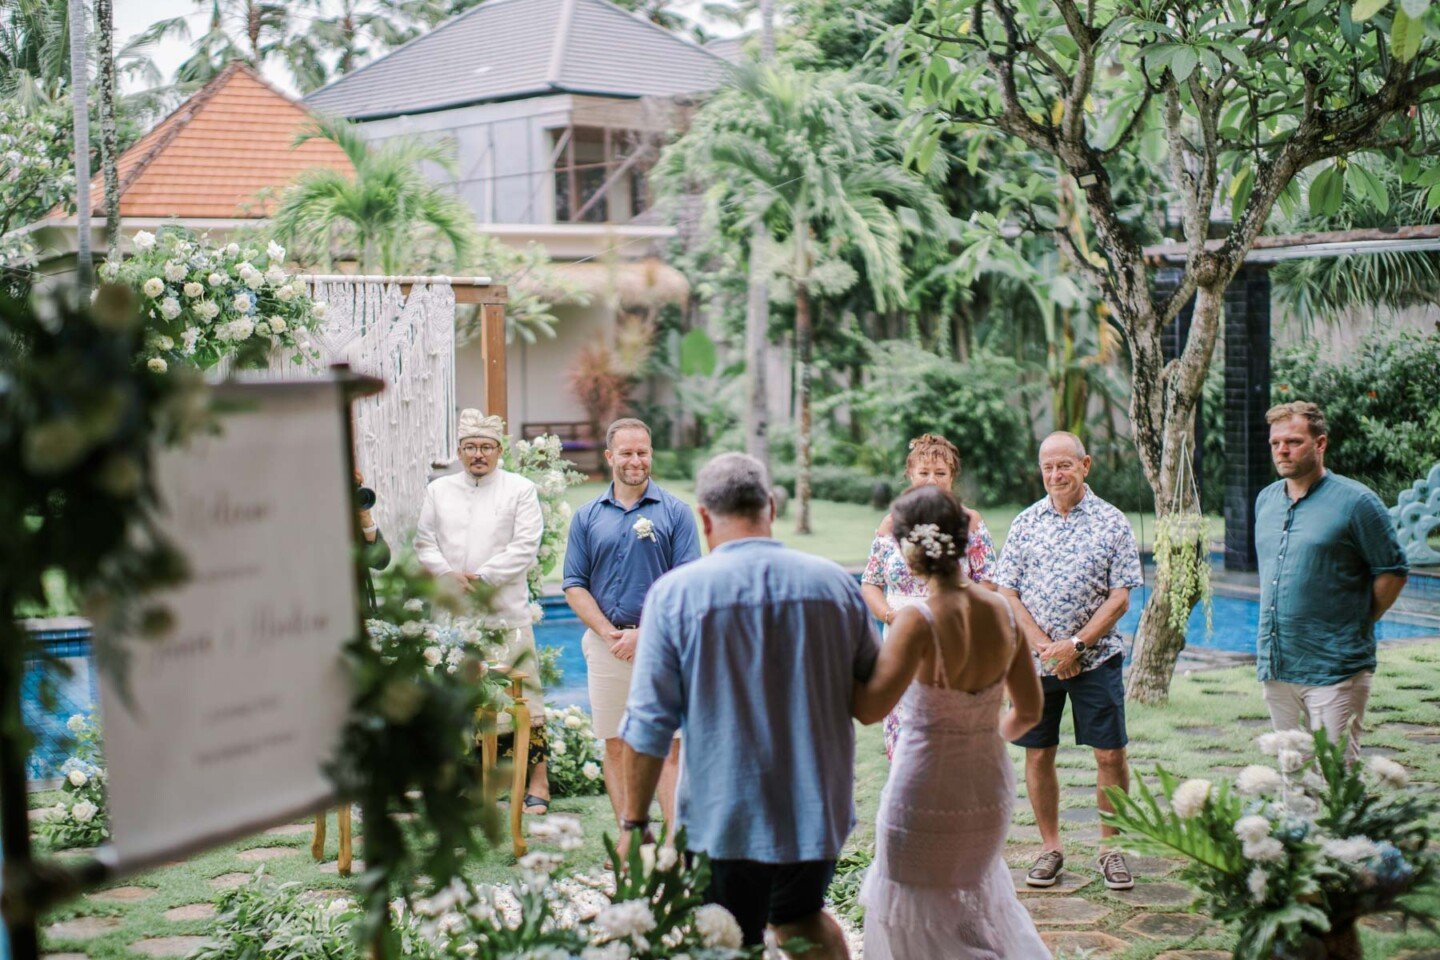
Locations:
{"points": [[1079, 644]]}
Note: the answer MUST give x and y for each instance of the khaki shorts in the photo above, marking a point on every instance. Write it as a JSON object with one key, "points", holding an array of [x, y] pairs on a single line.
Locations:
{"points": [[608, 678]]}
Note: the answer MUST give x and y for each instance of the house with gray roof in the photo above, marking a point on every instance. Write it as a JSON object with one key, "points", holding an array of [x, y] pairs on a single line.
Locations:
{"points": [[558, 110]]}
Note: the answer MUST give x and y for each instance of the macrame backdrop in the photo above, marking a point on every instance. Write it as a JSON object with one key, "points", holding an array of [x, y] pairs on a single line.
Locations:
{"points": [[409, 342]]}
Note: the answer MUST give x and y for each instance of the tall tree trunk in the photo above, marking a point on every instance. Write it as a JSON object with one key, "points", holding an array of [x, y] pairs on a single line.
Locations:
{"points": [[109, 138], [1162, 408], [80, 117], [757, 348], [757, 304], [804, 337]]}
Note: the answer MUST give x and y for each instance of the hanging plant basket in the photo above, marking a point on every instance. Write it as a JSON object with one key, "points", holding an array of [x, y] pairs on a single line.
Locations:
{"points": [[1182, 557]]}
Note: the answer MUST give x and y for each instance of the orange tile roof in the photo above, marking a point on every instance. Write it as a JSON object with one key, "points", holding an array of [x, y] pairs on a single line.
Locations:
{"points": [[215, 155]]}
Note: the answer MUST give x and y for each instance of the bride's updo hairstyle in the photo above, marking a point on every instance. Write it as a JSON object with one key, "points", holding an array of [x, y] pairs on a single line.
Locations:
{"points": [[931, 526]]}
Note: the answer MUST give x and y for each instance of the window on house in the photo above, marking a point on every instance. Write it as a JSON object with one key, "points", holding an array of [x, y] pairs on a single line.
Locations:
{"points": [[599, 175]]}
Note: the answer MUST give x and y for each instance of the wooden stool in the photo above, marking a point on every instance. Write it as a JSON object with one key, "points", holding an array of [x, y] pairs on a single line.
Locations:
{"points": [[317, 845], [519, 710]]}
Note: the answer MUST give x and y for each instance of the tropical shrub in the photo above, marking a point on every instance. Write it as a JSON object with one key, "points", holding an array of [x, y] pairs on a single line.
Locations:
{"points": [[1380, 401], [205, 302], [81, 818], [35, 147], [265, 919], [574, 760], [978, 406], [1293, 857], [840, 484]]}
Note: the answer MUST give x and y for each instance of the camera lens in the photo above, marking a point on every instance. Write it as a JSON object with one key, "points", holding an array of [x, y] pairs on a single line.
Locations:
{"points": [[365, 497]]}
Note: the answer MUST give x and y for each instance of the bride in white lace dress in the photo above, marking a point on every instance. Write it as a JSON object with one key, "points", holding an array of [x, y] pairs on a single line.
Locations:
{"points": [[939, 887]]}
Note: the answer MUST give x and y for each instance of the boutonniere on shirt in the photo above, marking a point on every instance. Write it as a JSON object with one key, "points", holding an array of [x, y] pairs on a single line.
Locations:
{"points": [[644, 529]]}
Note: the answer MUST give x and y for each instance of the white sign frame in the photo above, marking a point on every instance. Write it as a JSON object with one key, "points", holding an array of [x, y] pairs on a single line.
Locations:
{"points": [[225, 723]]}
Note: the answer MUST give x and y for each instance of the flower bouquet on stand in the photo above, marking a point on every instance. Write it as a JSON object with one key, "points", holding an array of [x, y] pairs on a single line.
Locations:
{"points": [[1292, 857]]}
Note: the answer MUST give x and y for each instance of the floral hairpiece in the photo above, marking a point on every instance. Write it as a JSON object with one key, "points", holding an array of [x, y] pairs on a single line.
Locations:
{"points": [[926, 538]]}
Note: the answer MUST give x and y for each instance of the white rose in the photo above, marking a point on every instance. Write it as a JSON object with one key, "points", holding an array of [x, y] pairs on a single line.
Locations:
{"points": [[77, 723], [192, 334], [1271, 744], [558, 748], [157, 365], [84, 811], [644, 529], [1252, 829], [537, 613], [412, 628], [718, 927], [319, 309], [415, 605], [433, 656], [1290, 760], [175, 272], [242, 302], [275, 276], [626, 919], [153, 287], [77, 778], [1190, 797], [193, 289], [233, 249], [1258, 781], [169, 308], [164, 342], [590, 771], [216, 279], [1257, 882], [1265, 850], [263, 328], [144, 240], [1388, 772], [666, 858], [252, 278], [275, 251], [574, 723]]}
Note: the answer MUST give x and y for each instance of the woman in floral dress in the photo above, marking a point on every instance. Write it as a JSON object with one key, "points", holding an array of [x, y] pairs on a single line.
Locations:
{"points": [[887, 584]]}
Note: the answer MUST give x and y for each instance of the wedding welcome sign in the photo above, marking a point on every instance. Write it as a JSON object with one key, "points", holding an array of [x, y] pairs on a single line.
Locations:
{"points": [[228, 719]]}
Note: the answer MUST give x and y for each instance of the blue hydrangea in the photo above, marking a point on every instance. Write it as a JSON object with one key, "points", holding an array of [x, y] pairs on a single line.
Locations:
{"points": [[1391, 869]]}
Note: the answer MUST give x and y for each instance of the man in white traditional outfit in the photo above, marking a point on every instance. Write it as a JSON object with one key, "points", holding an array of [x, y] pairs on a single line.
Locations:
{"points": [[484, 523]]}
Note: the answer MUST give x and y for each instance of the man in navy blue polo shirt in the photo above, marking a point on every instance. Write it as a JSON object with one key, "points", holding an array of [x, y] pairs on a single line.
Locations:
{"points": [[620, 543]]}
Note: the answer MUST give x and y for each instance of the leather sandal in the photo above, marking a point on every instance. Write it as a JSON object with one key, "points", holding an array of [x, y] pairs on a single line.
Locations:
{"points": [[533, 801]]}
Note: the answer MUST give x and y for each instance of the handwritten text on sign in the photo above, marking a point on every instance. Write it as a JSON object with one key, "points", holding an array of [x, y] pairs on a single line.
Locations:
{"points": [[234, 712]]}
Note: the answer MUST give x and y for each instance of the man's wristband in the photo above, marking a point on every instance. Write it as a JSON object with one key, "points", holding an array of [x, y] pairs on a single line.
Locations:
{"points": [[627, 825]]}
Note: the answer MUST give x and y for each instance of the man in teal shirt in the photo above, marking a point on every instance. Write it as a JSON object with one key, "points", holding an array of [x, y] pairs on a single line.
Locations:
{"points": [[1330, 566]]}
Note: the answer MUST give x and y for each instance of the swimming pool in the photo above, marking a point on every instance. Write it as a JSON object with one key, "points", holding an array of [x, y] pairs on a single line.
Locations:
{"points": [[1236, 621]]}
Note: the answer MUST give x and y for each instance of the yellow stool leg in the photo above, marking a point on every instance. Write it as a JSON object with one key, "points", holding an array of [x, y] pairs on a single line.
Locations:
{"points": [[317, 845], [521, 712], [343, 819]]}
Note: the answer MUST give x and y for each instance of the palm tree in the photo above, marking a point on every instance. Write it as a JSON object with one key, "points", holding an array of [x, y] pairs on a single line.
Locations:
{"points": [[347, 34], [245, 30], [815, 157], [387, 211]]}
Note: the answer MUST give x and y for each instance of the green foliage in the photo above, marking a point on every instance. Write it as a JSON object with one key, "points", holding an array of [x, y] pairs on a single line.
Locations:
{"points": [[574, 760], [843, 898], [265, 920], [534, 285], [1182, 565], [387, 212], [206, 303], [1379, 400], [978, 406], [837, 483]]}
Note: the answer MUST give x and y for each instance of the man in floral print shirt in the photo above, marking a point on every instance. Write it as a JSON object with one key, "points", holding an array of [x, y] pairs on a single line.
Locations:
{"points": [[1071, 561]]}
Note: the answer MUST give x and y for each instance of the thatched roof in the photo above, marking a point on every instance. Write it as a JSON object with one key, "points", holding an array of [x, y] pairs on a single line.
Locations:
{"points": [[638, 284]]}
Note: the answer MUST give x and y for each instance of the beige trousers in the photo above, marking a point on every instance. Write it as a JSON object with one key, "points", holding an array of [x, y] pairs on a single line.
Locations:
{"points": [[1339, 708], [608, 679]]}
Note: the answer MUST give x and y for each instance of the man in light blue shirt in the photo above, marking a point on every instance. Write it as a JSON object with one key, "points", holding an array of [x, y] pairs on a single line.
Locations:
{"points": [[753, 653]]}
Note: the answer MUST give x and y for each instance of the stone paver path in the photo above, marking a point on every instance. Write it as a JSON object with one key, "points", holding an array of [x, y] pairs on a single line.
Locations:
{"points": [[167, 946], [81, 928], [191, 911]]}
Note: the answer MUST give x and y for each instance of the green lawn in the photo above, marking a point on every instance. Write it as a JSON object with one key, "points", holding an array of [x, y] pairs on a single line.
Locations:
{"points": [[1222, 706], [843, 531]]}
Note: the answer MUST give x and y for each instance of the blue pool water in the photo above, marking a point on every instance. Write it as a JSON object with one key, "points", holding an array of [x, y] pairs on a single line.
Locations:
{"points": [[1235, 624], [1235, 621]]}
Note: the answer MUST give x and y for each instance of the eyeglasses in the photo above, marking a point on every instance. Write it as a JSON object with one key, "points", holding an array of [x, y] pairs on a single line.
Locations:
{"points": [[489, 449]]}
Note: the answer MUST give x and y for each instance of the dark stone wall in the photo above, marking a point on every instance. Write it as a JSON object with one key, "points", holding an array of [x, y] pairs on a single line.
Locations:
{"points": [[1247, 397]]}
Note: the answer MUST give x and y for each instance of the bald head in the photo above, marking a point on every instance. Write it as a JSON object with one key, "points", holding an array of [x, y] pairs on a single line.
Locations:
{"points": [[1063, 440]]}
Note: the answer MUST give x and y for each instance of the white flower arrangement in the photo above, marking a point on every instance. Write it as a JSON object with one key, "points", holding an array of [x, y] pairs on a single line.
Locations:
{"points": [[213, 302], [644, 529], [80, 819], [1292, 857], [542, 462]]}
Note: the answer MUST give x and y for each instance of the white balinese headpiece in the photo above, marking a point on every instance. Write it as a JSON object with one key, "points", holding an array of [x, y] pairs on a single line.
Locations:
{"points": [[474, 424]]}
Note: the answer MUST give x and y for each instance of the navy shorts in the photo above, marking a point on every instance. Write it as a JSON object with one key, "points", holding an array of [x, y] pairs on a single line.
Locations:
{"points": [[1098, 706], [776, 893]]}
